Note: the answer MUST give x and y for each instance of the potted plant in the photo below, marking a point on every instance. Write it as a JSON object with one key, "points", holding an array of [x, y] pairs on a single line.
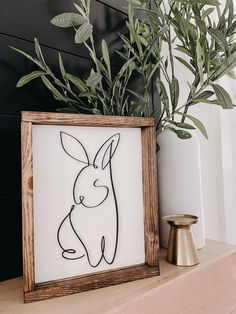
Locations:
{"points": [[204, 45], [198, 35]]}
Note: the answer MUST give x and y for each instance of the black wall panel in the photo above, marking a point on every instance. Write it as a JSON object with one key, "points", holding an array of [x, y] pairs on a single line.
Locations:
{"points": [[10, 200], [29, 19], [11, 247], [35, 95], [20, 22]]}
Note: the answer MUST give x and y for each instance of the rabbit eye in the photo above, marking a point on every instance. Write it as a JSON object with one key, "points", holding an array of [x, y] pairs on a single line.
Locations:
{"points": [[95, 166]]}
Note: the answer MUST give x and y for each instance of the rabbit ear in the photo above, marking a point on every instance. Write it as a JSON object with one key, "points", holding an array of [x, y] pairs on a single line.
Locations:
{"points": [[106, 151], [74, 148]]}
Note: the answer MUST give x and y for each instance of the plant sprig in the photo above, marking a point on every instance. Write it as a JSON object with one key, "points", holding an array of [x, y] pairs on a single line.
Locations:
{"points": [[101, 92], [203, 45]]}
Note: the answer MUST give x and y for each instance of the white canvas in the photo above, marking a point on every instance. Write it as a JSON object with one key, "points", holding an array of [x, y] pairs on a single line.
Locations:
{"points": [[86, 219]]}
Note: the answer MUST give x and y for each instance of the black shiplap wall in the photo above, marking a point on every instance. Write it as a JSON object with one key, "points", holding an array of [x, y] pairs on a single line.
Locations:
{"points": [[20, 22]]}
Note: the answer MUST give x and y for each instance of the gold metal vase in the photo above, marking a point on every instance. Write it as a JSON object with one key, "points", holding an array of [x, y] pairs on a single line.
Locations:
{"points": [[181, 247]]}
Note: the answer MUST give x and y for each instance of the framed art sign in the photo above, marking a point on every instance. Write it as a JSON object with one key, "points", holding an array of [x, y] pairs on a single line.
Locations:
{"points": [[89, 196]]}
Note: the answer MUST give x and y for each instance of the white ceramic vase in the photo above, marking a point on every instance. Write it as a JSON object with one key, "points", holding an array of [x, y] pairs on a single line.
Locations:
{"points": [[180, 183]]}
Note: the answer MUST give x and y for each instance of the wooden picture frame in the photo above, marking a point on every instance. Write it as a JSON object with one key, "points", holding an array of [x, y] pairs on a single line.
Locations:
{"points": [[38, 291]]}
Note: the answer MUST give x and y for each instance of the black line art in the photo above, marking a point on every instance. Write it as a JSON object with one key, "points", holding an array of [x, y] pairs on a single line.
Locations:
{"points": [[94, 195]]}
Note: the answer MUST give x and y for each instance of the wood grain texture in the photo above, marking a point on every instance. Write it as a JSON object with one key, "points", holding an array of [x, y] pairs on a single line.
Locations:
{"points": [[27, 206], [149, 165], [204, 289], [85, 120], [208, 288], [90, 282]]}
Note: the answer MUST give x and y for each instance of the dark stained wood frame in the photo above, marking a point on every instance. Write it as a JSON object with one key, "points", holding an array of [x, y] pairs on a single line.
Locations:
{"points": [[47, 290]]}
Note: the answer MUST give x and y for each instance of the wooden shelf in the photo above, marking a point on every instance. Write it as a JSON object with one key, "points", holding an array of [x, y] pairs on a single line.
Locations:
{"points": [[207, 288]]}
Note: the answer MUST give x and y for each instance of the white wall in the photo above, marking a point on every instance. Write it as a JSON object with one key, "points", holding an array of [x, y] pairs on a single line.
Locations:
{"points": [[218, 168], [217, 160]]}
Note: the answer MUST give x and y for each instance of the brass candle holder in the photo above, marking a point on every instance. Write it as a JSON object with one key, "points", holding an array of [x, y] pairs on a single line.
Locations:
{"points": [[181, 247]]}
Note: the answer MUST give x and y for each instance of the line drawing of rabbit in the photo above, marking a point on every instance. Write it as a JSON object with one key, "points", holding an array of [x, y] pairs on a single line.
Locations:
{"points": [[95, 203]]}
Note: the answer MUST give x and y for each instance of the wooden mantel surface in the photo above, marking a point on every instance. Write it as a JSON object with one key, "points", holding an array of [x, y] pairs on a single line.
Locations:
{"points": [[207, 288]]}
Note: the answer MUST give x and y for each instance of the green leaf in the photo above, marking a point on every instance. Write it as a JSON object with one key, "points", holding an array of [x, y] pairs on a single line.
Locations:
{"points": [[187, 28], [135, 38], [29, 77], [153, 71], [93, 80], [163, 95], [185, 63], [206, 101], [197, 123], [81, 11], [84, 3], [77, 82], [123, 69], [183, 125], [207, 12], [223, 96], [23, 53], [96, 111], [231, 74], [106, 57], [184, 135], [39, 64], [57, 95], [228, 64], [104, 106], [83, 33], [206, 94], [38, 52], [135, 109], [231, 29], [125, 107], [192, 89], [150, 48], [228, 6], [219, 37], [174, 92], [68, 20], [201, 25], [62, 69], [124, 56], [129, 45], [184, 50], [200, 60], [136, 95], [88, 95]]}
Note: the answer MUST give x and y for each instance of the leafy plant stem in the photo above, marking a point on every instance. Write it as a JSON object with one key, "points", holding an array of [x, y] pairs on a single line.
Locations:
{"points": [[93, 55], [165, 73], [204, 86], [186, 105], [64, 87], [170, 43]]}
